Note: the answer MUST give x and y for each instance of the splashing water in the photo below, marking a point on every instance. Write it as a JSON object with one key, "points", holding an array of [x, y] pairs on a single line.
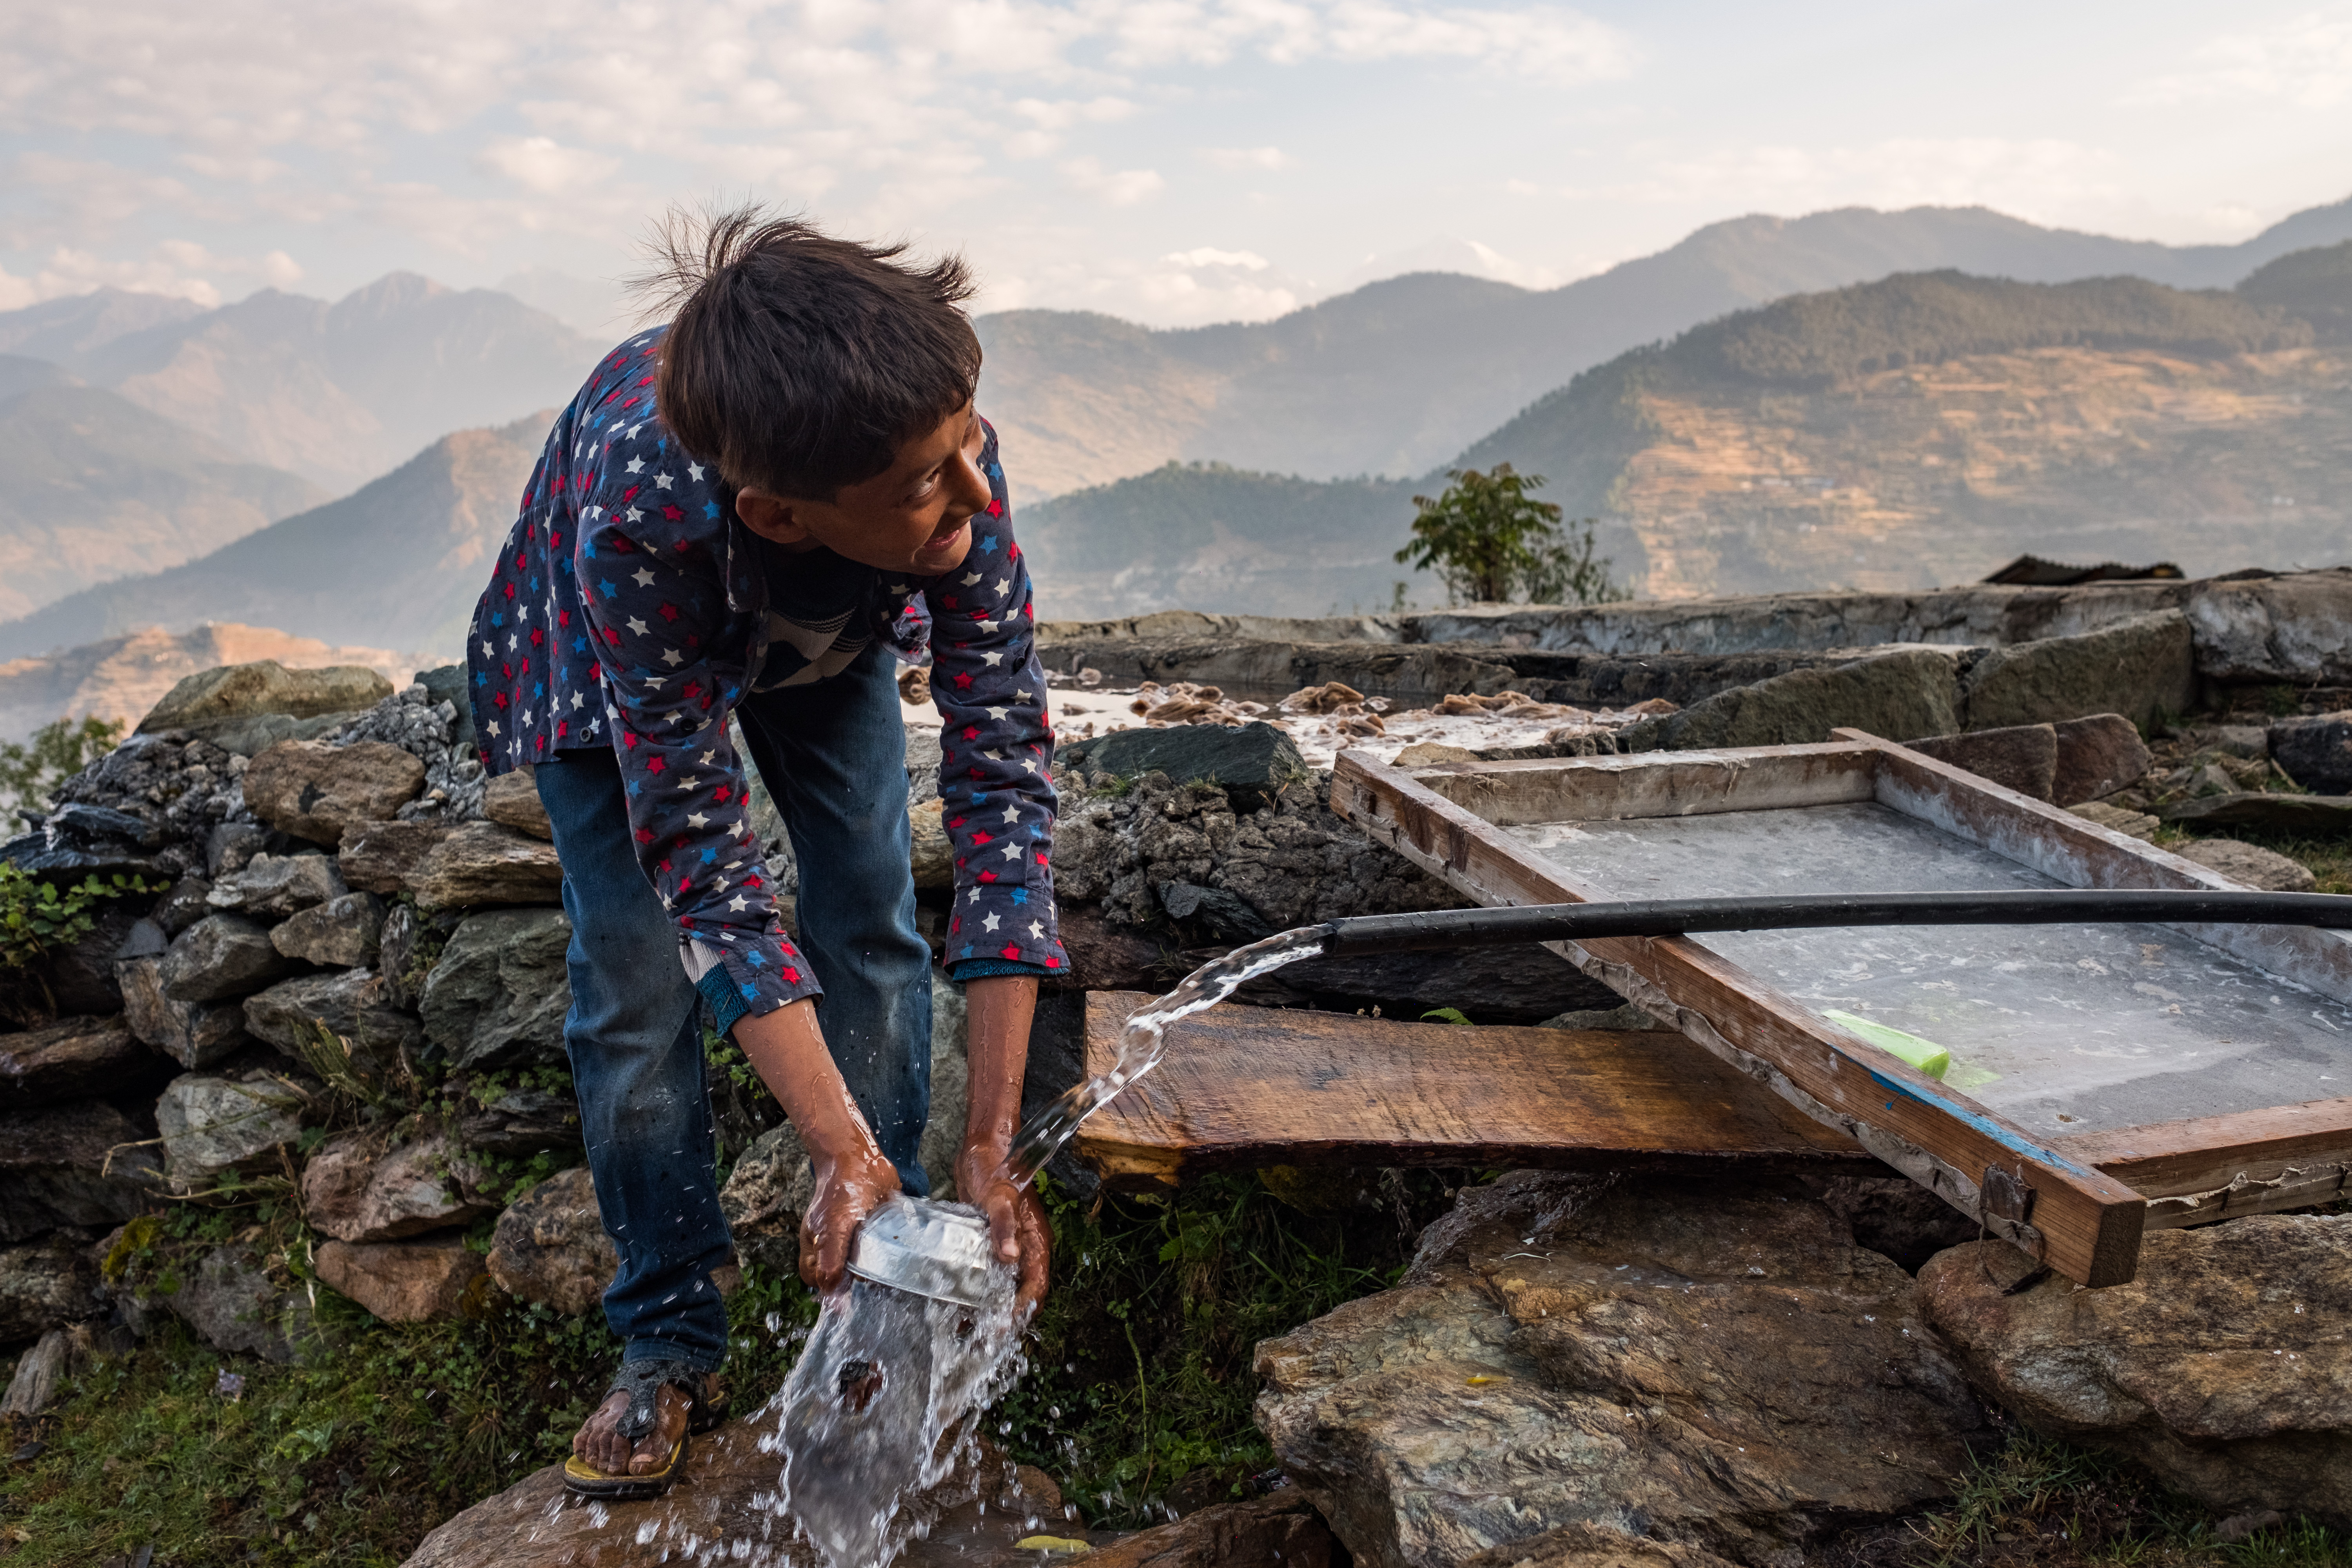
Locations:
{"points": [[878, 1408], [1144, 1041]]}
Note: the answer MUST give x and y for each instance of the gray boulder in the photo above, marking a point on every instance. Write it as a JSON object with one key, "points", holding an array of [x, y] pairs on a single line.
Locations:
{"points": [[2222, 1367], [79, 1164], [272, 886], [192, 1034], [384, 857], [1255, 760], [77, 1059], [360, 1187], [46, 1283], [515, 1121], [236, 1300], [498, 994], [212, 698], [223, 956], [2295, 628], [212, 1126], [1897, 696], [341, 933], [1721, 1368], [314, 790], [2139, 668], [2315, 752], [352, 1003]]}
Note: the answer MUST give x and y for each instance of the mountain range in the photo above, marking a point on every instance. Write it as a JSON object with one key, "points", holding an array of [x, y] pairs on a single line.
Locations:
{"points": [[396, 565], [1904, 433], [1400, 376]]}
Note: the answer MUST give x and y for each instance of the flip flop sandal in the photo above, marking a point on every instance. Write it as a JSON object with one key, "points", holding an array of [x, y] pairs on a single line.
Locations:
{"points": [[643, 1382]]}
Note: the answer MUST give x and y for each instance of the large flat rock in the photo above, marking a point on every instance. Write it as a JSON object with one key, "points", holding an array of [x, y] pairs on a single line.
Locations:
{"points": [[2225, 1367], [1713, 1364]]}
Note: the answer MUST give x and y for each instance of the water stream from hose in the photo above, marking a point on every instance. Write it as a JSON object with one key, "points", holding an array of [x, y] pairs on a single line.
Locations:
{"points": [[879, 1408]]}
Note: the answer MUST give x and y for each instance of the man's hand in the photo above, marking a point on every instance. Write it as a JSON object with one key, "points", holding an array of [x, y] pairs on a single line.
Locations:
{"points": [[1016, 1218], [848, 1189], [999, 1007], [853, 1179]]}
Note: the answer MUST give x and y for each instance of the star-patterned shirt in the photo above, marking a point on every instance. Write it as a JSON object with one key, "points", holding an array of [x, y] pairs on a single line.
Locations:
{"points": [[630, 609]]}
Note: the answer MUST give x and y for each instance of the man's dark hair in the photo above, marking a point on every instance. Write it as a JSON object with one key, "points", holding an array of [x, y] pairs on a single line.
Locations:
{"points": [[796, 362]]}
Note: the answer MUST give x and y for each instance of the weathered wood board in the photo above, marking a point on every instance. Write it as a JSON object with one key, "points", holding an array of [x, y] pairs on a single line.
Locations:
{"points": [[1244, 1087], [2071, 1038]]}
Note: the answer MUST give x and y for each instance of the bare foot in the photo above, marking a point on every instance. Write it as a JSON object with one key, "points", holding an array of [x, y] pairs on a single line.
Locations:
{"points": [[601, 1445]]}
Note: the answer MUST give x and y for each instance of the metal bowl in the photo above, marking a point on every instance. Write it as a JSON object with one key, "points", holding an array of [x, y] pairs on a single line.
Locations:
{"points": [[925, 1248]]}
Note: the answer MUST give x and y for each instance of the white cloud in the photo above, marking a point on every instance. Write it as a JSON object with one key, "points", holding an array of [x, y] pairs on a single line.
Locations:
{"points": [[542, 164], [1122, 188], [1209, 256], [181, 269], [2305, 62], [1246, 157]]}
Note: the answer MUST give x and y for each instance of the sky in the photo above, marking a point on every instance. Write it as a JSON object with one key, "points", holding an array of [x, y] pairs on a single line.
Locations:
{"points": [[1174, 162]]}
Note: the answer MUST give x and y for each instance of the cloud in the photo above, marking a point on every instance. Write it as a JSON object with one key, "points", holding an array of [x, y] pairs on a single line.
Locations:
{"points": [[540, 164], [2305, 62], [1122, 189], [181, 269], [1209, 256], [1246, 157]]}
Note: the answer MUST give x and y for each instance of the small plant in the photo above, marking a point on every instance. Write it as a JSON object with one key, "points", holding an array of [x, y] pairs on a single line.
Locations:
{"points": [[1491, 543], [1445, 1016], [31, 771], [38, 916]]}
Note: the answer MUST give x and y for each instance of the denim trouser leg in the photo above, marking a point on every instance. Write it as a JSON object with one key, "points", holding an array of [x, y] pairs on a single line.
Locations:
{"points": [[635, 1036], [834, 756]]}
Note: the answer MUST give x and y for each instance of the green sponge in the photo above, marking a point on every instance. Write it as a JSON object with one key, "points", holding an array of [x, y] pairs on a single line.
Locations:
{"points": [[1926, 1055]]}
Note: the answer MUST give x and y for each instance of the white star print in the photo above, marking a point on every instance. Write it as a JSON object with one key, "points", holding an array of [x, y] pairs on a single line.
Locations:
{"points": [[654, 682], [510, 642], [696, 820], [1012, 814], [672, 658], [1036, 930], [1002, 584], [636, 465], [694, 470], [642, 578], [638, 626], [991, 924], [989, 625], [576, 700], [970, 578], [661, 480], [494, 733], [488, 651], [993, 657], [1013, 852], [998, 712], [634, 514], [738, 903]]}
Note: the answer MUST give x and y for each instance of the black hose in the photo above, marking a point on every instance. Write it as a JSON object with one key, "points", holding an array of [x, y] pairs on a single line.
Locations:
{"points": [[1672, 917]]}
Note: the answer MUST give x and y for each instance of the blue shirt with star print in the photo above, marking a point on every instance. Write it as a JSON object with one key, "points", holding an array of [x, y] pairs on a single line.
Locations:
{"points": [[631, 610]]}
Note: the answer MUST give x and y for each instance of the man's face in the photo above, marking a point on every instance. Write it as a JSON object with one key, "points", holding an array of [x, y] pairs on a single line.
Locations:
{"points": [[915, 516]]}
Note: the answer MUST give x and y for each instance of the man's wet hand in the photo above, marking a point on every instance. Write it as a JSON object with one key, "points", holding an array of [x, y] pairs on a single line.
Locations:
{"points": [[1016, 1218], [848, 1187]]}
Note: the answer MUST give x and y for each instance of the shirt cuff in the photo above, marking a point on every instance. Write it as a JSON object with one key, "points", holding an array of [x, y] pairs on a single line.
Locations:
{"points": [[966, 970], [726, 998]]}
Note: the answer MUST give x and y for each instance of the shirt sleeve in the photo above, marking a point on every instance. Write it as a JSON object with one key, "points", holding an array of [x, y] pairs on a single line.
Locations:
{"points": [[996, 747], [674, 653]]}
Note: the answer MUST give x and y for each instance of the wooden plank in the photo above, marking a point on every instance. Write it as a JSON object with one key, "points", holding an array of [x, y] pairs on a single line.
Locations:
{"points": [[2082, 1221], [1248, 1086], [2079, 853], [1681, 783], [2206, 1168]]}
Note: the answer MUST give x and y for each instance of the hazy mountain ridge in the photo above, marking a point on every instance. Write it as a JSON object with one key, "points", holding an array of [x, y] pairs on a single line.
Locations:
{"points": [[99, 486], [338, 391], [398, 563], [1900, 434], [1396, 377]]}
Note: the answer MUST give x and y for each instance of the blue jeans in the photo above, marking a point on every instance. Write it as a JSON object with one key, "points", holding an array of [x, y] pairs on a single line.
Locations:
{"points": [[833, 755]]}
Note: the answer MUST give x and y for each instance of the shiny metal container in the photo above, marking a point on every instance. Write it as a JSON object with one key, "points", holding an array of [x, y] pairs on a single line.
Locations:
{"points": [[925, 1248]]}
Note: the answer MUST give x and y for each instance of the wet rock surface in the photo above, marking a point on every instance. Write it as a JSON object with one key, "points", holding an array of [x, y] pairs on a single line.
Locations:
{"points": [[78, 1059], [83, 1163], [498, 994], [1569, 1352], [550, 1247], [2225, 1367]]}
